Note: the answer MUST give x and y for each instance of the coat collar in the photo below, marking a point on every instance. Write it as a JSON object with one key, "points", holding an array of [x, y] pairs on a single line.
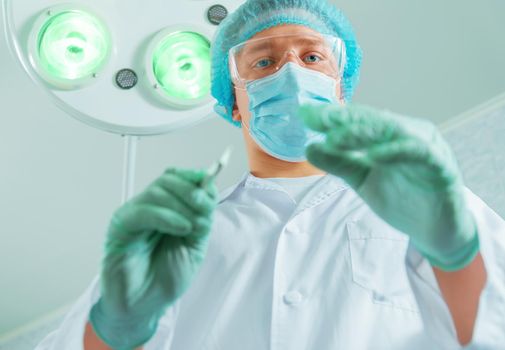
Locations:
{"points": [[322, 189]]}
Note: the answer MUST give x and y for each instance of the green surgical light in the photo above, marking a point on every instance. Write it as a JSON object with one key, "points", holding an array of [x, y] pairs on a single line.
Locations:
{"points": [[181, 67], [72, 46]]}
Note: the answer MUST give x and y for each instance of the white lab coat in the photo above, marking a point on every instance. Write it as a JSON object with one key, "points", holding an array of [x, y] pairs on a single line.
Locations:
{"points": [[326, 273]]}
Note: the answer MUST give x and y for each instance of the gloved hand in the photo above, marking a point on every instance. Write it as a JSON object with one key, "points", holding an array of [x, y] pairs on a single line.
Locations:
{"points": [[155, 244], [406, 173]]}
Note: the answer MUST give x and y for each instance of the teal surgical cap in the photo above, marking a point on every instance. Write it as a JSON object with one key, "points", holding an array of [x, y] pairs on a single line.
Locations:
{"points": [[255, 16]]}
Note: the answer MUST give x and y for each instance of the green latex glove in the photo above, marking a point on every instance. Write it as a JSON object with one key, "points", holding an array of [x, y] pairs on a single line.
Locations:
{"points": [[155, 244], [404, 170]]}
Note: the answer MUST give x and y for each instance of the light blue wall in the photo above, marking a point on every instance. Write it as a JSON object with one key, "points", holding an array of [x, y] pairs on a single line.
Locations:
{"points": [[428, 58]]}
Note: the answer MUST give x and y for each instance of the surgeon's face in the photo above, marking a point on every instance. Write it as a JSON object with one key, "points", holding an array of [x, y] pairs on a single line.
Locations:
{"points": [[241, 110]]}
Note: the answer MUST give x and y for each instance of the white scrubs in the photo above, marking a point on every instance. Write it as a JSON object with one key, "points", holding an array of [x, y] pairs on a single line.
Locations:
{"points": [[298, 264]]}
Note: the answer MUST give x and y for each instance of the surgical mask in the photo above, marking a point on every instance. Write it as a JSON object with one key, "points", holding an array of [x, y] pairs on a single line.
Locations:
{"points": [[274, 102]]}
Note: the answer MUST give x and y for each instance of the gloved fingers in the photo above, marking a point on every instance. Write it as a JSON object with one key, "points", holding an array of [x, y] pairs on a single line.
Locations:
{"points": [[159, 196], [191, 175], [315, 116], [412, 151], [195, 197], [200, 221], [405, 150], [351, 166], [196, 177], [324, 118], [211, 189], [137, 218], [361, 136], [201, 228]]}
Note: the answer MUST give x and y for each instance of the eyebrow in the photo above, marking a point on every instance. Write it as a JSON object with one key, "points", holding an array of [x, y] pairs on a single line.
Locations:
{"points": [[267, 44]]}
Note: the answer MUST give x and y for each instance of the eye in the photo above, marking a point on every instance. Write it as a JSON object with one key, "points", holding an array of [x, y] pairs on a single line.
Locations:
{"points": [[312, 58], [263, 63]]}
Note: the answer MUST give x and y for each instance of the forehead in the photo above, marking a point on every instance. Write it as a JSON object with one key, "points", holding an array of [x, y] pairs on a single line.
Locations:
{"points": [[281, 38], [284, 29]]}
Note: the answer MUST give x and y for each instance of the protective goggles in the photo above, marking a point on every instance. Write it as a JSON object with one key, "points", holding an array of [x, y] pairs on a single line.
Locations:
{"points": [[258, 58]]}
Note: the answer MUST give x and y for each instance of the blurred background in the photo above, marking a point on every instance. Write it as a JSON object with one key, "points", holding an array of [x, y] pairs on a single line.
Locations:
{"points": [[60, 180]]}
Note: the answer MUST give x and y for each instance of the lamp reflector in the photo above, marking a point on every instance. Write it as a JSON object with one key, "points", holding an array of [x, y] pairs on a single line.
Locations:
{"points": [[72, 45], [181, 66]]}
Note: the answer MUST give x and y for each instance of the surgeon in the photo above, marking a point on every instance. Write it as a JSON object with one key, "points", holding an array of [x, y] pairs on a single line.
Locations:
{"points": [[352, 228]]}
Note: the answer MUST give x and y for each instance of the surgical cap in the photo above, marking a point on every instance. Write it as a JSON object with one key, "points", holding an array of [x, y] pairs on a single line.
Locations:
{"points": [[255, 16]]}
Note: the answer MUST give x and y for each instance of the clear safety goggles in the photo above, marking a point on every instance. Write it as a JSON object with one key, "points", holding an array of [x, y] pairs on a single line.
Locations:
{"points": [[258, 58]]}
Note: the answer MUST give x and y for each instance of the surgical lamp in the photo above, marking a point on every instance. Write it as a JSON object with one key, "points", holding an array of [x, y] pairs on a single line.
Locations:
{"points": [[132, 68]]}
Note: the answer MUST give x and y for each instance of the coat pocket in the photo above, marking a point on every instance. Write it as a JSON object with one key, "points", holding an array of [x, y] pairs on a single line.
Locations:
{"points": [[378, 265]]}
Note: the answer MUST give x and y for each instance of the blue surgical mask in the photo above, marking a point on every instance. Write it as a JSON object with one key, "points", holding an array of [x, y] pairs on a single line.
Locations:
{"points": [[274, 102]]}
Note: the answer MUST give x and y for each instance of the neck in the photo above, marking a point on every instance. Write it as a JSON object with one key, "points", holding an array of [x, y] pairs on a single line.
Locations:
{"points": [[263, 165], [289, 170]]}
